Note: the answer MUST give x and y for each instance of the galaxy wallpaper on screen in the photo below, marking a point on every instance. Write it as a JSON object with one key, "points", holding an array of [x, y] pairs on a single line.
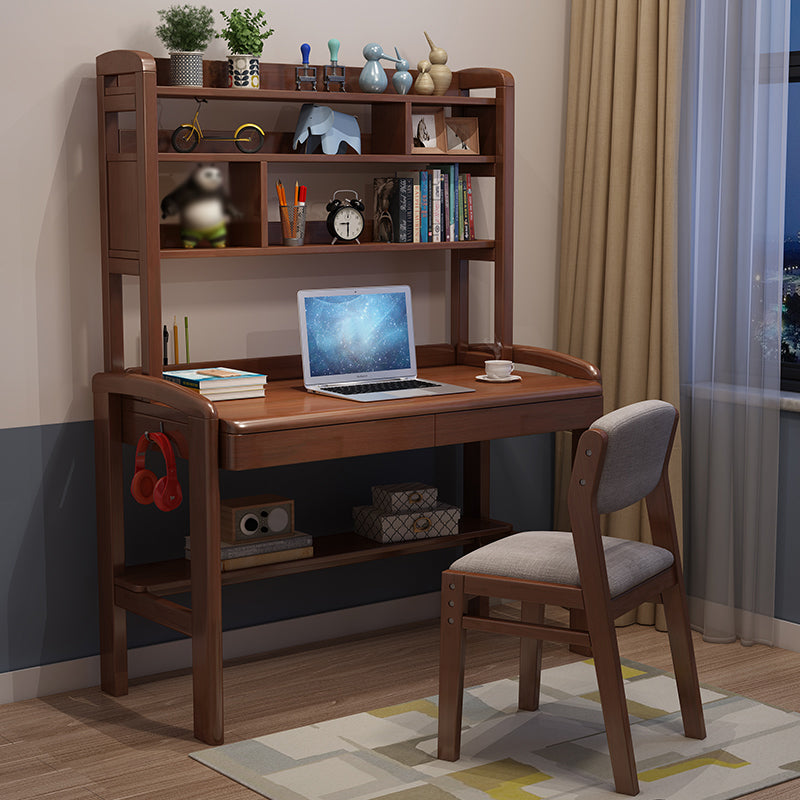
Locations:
{"points": [[357, 333]]}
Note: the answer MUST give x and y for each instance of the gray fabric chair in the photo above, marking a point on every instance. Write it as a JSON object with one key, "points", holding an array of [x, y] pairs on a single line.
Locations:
{"points": [[621, 459]]}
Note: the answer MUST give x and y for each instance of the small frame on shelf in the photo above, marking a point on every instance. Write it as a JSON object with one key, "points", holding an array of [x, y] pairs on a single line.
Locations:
{"points": [[461, 135], [427, 131]]}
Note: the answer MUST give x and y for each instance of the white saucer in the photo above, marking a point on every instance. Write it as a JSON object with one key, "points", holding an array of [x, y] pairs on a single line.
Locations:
{"points": [[489, 379]]}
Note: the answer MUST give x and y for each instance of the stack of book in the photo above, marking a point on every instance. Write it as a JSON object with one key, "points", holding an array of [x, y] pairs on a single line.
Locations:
{"points": [[269, 550], [219, 383], [431, 205]]}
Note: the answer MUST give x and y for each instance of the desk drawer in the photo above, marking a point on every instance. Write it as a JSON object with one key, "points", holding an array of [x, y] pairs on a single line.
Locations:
{"points": [[272, 448], [517, 420]]}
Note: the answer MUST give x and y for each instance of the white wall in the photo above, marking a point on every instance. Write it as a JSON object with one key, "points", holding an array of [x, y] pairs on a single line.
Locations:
{"points": [[50, 327]]}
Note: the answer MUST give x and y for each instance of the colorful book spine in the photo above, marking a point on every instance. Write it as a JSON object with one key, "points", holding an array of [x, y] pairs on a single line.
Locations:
{"points": [[436, 204], [452, 184], [423, 206], [406, 212], [460, 207], [416, 210], [445, 206], [470, 218]]}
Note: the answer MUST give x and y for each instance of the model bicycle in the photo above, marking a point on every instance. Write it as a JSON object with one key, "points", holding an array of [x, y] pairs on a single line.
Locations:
{"points": [[248, 137]]}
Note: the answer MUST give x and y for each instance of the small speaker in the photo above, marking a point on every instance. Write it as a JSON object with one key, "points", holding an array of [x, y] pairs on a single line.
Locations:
{"points": [[245, 519]]}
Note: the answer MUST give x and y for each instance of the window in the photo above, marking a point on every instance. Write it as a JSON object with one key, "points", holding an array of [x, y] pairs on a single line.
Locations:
{"points": [[790, 330]]}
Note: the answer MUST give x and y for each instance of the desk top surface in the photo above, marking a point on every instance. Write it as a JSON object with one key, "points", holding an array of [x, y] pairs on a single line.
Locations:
{"points": [[288, 405]]}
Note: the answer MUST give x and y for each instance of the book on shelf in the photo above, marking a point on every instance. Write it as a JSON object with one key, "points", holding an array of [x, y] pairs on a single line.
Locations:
{"points": [[436, 205], [423, 205], [405, 189], [453, 193], [254, 554], [470, 218], [460, 207], [207, 378]]}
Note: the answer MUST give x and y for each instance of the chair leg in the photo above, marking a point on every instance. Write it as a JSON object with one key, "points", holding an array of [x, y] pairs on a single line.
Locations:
{"points": [[530, 659], [683, 662], [451, 666], [577, 621], [612, 699]]}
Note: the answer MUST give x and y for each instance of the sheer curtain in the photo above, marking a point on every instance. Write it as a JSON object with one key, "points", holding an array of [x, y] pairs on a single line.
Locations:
{"points": [[731, 191]]}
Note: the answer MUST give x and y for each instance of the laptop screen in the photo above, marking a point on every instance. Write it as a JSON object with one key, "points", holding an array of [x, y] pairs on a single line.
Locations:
{"points": [[356, 334]]}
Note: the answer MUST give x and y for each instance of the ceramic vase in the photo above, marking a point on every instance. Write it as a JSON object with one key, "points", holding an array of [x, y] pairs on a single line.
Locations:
{"points": [[243, 72], [186, 69], [441, 74], [401, 80], [424, 83], [373, 76]]}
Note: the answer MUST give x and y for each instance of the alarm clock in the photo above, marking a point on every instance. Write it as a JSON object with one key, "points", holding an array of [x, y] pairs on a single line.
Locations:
{"points": [[345, 217]]}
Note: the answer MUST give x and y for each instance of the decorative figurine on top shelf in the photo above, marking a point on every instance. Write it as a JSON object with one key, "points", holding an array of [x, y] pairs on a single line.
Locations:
{"points": [[306, 74], [373, 77], [322, 126], [203, 207], [401, 80], [334, 74], [424, 82], [440, 72]]}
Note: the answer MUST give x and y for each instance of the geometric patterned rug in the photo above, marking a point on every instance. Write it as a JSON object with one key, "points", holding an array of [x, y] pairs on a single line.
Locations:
{"points": [[558, 751]]}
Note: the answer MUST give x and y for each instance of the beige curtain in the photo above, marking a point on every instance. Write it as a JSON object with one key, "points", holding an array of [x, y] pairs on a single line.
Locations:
{"points": [[618, 261]]}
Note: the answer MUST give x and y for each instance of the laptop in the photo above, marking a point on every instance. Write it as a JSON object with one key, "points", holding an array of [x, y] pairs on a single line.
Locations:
{"points": [[358, 344]]}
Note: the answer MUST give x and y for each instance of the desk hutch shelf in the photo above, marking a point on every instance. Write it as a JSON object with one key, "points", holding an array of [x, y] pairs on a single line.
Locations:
{"points": [[289, 426]]}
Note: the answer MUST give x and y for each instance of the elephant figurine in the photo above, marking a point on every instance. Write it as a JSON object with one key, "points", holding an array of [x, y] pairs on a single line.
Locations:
{"points": [[320, 125]]}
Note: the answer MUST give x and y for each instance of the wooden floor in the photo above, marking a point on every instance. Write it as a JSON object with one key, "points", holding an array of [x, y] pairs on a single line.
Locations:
{"points": [[84, 745]]}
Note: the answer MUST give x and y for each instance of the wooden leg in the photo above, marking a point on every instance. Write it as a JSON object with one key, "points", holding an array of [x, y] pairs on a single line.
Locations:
{"points": [[577, 621], [110, 543], [204, 514], [476, 479], [612, 699], [451, 666], [683, 662], [530, 659]]}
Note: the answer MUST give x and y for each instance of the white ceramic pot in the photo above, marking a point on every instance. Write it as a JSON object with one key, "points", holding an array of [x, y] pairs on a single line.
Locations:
{"points": [[244, 72]]}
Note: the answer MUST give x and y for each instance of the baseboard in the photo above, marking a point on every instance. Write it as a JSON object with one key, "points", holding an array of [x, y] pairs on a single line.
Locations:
{"points": [[778, 632], [81, 673]]}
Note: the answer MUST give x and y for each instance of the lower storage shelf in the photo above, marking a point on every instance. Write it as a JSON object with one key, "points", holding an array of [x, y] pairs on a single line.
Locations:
{"points": [[172, 577]]}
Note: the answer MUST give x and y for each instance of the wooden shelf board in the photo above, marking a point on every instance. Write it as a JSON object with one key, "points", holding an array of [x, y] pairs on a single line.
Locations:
{"points": [[319, 249], [321, 158], [358, 98], [171, 577]]}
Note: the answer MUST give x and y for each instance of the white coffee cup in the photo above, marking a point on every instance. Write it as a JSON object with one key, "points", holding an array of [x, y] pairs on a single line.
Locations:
{"points": [[498, 368]]}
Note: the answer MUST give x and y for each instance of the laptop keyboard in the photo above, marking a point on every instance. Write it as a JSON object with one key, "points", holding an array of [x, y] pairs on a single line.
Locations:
{"points": [[381, 386]]}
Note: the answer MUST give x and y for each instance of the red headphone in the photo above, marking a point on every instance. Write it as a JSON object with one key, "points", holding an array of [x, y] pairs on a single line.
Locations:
{"points": [[145, 487]]}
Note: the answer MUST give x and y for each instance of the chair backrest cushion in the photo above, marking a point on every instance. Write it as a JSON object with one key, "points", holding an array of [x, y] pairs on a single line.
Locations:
{"points": [[639, 438]]}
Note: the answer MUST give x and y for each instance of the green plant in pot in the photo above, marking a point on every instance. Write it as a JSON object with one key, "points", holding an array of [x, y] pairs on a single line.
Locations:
{"points": [[245, 32], [186, 31]]}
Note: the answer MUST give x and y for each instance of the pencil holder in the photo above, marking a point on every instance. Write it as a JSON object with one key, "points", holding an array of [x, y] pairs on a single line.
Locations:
{"points": [[293, 225]]}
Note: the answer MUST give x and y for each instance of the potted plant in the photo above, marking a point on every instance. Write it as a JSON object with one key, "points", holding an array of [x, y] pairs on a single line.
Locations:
{"points": [[186, 31], [245, 32]]}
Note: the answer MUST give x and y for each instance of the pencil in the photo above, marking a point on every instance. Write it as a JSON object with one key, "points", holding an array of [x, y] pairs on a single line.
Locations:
{"points": [[186, 333], [175, 336], [284, 215]]}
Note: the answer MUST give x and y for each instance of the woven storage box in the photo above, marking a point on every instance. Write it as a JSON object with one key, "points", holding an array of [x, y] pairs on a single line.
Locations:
{"points": [[372, 522], [394, 497]]}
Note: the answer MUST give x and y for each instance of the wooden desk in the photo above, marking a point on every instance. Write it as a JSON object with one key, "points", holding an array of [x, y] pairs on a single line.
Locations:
{"points": [[291, 426]]}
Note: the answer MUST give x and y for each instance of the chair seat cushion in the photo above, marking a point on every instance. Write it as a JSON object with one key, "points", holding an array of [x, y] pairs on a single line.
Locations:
{"points": [[549, 556]]}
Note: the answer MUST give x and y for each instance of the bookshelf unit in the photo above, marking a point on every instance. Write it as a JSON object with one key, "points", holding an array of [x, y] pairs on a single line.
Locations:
{"points": [[289, 426]]}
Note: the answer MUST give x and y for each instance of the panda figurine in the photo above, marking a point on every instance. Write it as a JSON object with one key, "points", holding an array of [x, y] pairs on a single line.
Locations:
{"points": [[203, 207]]}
